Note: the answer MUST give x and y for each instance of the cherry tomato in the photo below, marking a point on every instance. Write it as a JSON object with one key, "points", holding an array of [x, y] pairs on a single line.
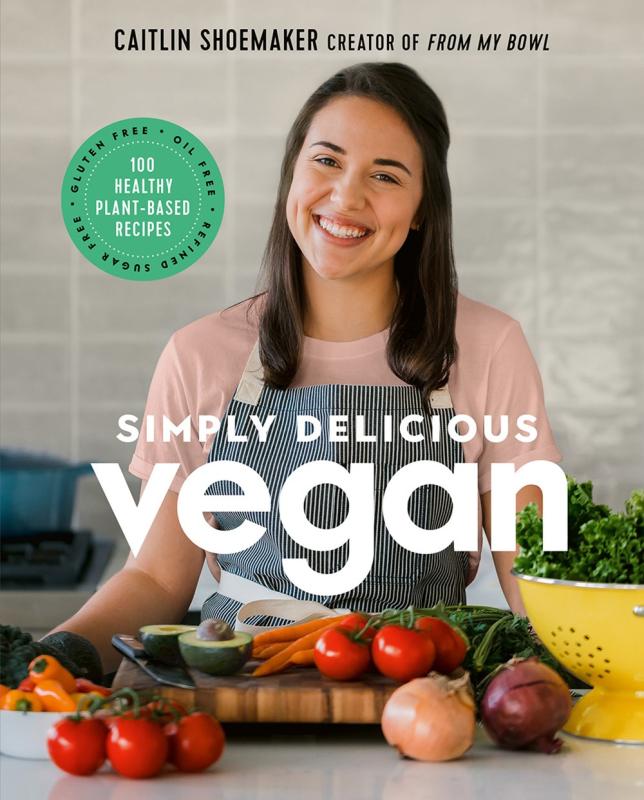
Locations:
{"points": [[111, 716], [77, 745], [155, 710], [402, 653], [162, 710], [355, 623], [195, 742], [136, 748], [338, 655], [451, 647]]}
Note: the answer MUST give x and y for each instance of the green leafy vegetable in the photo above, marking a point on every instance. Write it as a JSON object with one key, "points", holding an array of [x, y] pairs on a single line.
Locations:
{"points": [[603, 547], [17, 649], [496, 636]]}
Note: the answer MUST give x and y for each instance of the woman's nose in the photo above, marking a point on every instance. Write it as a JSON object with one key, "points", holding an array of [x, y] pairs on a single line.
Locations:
{"points": [[347, 193]]}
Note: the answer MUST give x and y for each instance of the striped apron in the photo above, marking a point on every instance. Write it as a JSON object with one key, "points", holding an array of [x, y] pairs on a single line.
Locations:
{"points": [[398, 577]]}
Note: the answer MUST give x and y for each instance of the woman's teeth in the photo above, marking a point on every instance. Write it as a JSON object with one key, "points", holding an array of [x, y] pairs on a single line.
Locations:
{"points": [[341, 231]]}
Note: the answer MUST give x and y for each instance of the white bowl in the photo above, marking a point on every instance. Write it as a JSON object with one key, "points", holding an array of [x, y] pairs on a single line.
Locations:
{"points": [[23, 734]]}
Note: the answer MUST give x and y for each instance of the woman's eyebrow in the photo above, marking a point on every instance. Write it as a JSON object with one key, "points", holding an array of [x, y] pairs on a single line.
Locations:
{"points": [[382, 162], [389, 162]]}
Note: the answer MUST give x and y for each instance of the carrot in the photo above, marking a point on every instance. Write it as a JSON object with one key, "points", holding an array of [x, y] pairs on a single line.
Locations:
{"points": [[289, 633], [280, 660], [303, 657], [269, 650]]}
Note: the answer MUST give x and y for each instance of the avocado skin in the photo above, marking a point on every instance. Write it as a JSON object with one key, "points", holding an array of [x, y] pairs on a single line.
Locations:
{"points": [[215, 658], [79, 650], [163, 647]]}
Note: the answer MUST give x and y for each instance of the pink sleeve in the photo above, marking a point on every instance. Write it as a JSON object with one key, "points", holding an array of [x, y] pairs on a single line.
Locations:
{"points": [[515, 388], [168, 396]]}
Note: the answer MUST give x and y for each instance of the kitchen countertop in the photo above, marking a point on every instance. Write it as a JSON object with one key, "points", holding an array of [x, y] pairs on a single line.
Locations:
{"points": [[266, 762]]}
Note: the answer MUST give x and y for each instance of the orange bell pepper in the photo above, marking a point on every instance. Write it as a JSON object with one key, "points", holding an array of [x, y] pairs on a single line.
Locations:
{"points": [[17, 700], [3, 690], [54, 697], [27, 685], [48, 668]]}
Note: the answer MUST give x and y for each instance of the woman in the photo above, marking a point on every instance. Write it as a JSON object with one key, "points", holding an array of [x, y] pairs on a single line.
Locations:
{"points": [[360, 317]]}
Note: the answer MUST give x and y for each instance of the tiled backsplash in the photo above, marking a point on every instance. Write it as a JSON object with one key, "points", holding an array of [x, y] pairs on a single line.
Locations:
{"points": [[547, 168]]}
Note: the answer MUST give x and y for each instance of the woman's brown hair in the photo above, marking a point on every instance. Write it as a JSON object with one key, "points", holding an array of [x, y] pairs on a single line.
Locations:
{"points": [[422, 344]]}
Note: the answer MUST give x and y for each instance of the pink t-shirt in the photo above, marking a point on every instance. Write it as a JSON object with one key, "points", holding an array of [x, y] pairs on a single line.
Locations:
{"points": [[494, 373]]}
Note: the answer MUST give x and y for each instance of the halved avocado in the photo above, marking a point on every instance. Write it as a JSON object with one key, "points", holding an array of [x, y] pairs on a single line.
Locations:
{"points": [[160, 641], [216, 658]]}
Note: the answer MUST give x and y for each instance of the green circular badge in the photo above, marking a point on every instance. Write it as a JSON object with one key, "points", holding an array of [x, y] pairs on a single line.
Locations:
{"points": [[143, 199]]}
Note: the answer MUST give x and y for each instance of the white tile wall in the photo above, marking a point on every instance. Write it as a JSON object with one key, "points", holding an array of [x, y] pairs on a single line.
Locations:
{"points": [[34, 370], [20, 251], [21, 313], [48, 30], [44, 428], [489, 167], [547, 168], [602, 93], [36, 95], [591, 28]]}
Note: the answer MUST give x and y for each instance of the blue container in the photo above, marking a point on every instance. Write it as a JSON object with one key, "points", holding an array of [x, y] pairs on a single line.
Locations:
{"points": [[37, 491]]}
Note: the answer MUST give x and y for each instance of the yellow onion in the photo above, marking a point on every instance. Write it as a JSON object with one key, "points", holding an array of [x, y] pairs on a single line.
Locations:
{"points": [[432, 718]]}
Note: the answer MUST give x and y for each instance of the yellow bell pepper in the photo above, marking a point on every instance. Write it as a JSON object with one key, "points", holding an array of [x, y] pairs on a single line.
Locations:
{"points": [[84, 699]]}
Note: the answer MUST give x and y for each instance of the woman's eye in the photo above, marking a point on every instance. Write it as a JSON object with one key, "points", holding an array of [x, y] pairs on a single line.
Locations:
{"points": [[324, 159], [381, 177], [385, 178]]}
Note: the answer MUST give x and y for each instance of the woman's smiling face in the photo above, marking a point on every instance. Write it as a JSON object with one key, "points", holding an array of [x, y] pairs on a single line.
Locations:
{"points": [[357, 186]]}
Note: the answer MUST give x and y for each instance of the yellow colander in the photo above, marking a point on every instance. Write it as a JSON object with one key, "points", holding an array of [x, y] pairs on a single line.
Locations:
{"points": [[596, 630]]}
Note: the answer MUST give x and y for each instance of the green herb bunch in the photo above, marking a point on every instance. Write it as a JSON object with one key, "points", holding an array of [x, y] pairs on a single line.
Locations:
{"points": [[603, 547], [495, 637]]}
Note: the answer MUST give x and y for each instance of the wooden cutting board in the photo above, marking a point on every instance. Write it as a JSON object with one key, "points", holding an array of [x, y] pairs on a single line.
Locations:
{"points": [[300, 694]]}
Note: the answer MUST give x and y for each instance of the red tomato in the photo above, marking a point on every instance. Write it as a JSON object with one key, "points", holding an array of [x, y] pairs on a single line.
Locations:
{"points": [[355, 623], [337, 655], [451, 647], [110, 716], [162, 710], [77, 745], [136, 748], [402, 653], [195, 742], [156, 710]]}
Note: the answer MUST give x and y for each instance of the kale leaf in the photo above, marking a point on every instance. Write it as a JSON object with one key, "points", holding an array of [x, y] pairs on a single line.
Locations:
{"points": [[603, 547]]}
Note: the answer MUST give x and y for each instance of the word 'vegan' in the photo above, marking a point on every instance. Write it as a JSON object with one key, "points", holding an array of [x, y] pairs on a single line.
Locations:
{"points": [[357, 482]]}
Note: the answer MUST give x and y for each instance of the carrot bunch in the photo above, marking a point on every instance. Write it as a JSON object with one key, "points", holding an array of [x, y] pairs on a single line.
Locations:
{"points": [[293, 644]]}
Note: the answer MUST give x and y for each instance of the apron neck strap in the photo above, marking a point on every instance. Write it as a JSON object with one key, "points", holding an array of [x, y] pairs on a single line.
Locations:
{"points": [[251, 383], [440, 398]]}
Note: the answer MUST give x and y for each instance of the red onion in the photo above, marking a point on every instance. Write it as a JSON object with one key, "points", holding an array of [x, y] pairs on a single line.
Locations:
{"points": [[525, 705]]}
